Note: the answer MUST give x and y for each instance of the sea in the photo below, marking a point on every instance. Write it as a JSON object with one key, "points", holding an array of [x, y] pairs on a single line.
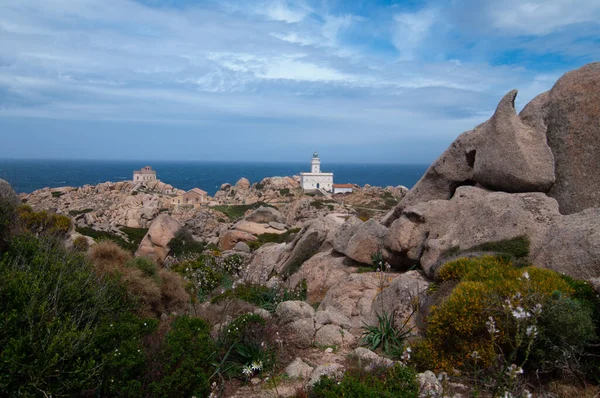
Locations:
{"points": [[29, 175]]}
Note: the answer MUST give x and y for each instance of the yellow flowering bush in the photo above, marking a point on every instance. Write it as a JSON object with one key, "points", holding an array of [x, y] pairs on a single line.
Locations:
{"points": [[492, 310]]}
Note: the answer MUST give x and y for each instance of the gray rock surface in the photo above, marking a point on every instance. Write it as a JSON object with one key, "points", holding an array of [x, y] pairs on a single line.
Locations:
{"points": [[298, 369], [360, 240], [242, 247], [308, 243], [265, 215]]}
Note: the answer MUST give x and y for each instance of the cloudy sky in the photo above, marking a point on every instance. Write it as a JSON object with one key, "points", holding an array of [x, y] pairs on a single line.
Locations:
{"points": [[273, 80]]}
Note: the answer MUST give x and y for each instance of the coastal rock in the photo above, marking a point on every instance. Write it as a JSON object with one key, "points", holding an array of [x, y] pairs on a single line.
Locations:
{"points": [[572, 117], [228, 240], [321, 272], [298, 369], [155, 244], [242, 247], [265, 261], [308, 243], [277, 225], [509, 155], [360, 240], [289, 311], [256, 228], [242, 183], [426, 231], [265, 215]]}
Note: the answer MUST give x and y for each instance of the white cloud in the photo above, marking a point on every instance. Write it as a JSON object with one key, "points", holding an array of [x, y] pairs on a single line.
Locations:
{"points": [[281, 10], [410, 30], [541, 17]]}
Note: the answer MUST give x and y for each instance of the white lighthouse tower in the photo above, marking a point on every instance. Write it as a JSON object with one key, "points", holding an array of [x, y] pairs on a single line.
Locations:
{"points": [[316, 180]]}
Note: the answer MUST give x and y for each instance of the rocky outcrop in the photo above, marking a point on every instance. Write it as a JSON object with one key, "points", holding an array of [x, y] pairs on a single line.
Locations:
{"points": [[360, 240], [307, 244], [509, 155], [571, 113], [155, 243], [229, 239], [265, 215]]}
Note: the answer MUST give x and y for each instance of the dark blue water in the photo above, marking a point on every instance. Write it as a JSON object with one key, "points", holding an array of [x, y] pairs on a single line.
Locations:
{"points": [[29, 175]]}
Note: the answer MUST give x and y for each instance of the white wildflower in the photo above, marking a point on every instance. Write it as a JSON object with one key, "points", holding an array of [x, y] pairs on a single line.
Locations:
{"points": [[531, 331], [527, 394], [491, 326], [525, 275], [475, 355], [247, 371], [537, 309], [520, 313], [256, 365]]}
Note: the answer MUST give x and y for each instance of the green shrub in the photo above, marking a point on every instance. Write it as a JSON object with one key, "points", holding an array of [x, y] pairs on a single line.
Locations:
{"points": [[317, 204], [53, 307], [202, 276], [147, 266], [235, 212], [185, 360], [80, 244], [103, 235], [284, 191], [518, 301], [272, 238], [43, 222], [8, 211], [397, 381], [134, 235], [263, 296], [259, 186], [57, 194], [184, 244], [74, 213]]}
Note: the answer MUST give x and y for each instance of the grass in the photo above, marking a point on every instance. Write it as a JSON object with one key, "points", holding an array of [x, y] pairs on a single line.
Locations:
{"points": [[235, 212], [135, 235], [100, 235], [517, 248], [78, 212], [272, 238]]}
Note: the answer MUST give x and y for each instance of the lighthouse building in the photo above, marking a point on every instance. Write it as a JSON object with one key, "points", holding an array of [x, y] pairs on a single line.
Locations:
{"points": [[316, 180]]}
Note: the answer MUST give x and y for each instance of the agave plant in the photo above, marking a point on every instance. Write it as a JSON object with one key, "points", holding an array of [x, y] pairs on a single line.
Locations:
{"points": [[385, 334]]}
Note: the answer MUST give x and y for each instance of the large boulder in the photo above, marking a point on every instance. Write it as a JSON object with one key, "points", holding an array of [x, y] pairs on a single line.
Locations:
{"points": [[265, 215], [572, 116], [264, 263], [155, 244], [427, 231], [242, 183], [511, 156], [360, 240], [305, 246], [256, 228]]}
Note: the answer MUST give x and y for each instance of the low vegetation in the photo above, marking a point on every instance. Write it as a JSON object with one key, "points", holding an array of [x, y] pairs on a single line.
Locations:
{"points": [[262, 296], [75, 213], [235, 212], [272, 238]]}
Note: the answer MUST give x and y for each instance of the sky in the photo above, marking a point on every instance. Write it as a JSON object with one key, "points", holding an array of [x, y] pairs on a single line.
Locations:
{"points": [[274, 80]]}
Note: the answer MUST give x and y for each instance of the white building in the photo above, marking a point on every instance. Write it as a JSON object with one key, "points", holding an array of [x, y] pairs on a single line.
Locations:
{"points": [[316, 179], [342, 188], [145, 174]]}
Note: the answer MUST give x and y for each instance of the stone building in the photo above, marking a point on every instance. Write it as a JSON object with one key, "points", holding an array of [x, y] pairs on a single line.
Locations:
{"points": [[194, 197], [316, 179], [145, 174]]}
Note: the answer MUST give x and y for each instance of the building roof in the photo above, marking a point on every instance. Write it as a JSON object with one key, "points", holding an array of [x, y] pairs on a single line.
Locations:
{"points": [[145, 170], [198, 191], [343, 186]]}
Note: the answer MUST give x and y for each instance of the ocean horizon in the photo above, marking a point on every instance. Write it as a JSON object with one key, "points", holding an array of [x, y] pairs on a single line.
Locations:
{"points": [[27, 175]]}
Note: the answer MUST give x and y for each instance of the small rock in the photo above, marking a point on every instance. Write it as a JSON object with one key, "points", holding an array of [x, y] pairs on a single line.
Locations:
{"points": [[329, 370], [298, 369], [329, 350], [293, 310], [242, 247], [429, 385], [255, 380], [277, 225]]}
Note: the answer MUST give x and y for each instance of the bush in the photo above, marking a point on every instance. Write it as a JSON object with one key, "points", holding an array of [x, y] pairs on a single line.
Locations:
{"points": [[498, 308], [53, 307], [80, 244], [134, 235], [235, 212], [184, 244], [75, 213], [397, 381], [103, 235], [263, 296], [57, 194], [43, 222], [8, 211], [185, 360], [202, 276], [272, 238]]}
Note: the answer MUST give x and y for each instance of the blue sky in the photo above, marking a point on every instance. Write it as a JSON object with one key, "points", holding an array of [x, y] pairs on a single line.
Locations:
{"points": [[273, 80]]}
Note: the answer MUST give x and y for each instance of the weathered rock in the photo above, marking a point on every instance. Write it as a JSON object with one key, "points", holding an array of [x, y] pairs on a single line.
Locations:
{"points": [[242, 183], [298, 369], [155, 244], [370, 360], [331, 316], [333, 335], [511, 156], [426, 231], [264, 263], [571, 245], [366, 239], [321, 272], [277, 225], [308, 243], [573, 131], [242, 247], [301, 332], [256, 228], [429, 385], [333, 370], [292, 310], [265, 215], [229, 239]]}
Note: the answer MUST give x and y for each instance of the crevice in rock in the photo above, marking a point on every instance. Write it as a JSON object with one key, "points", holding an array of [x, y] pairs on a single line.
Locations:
{"points": [[471, 158], [456, 185]]}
